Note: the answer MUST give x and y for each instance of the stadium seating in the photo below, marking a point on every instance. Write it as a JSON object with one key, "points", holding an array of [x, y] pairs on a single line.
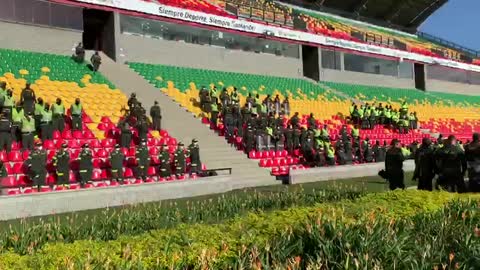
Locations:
{"points": [[330, 109], [183, 84], [53, 76], [319, 23]]}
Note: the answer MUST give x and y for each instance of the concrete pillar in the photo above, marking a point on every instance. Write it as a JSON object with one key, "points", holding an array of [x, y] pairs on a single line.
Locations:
{"points": [[117, 33], [342, 61], [321, 74]]}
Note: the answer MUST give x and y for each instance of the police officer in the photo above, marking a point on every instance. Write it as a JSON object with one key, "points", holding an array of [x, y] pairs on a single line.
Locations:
{"points": [[348, 152], [295, 120], [379, 152], [452, 165], [28, 130], [5, 133], [125, 134], [38, 114], [47, 125], [194, 153], [8, 104], [229, 123], [58, 111], [17, 118], [330, 155], [368, 155], [143, 160], [27, 98], [85, 165], [394, 165], [165, 166], [472, 155], [142, 128], [214, 115], [61, 162], [180, 160], [424, 165], [79, 56], [132, 101], [96, 60], [116, 163], [156, 114], [37, 166], [76, 111]]}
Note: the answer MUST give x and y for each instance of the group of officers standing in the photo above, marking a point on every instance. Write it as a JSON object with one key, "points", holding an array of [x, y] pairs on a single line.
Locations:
{"points": [[367, 116], [262, 125], [31, 117], [449, 162], [36, 164]]}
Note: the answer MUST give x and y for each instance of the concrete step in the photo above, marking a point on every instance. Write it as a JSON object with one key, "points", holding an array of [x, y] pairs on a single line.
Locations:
{"points": [[181, 124]]}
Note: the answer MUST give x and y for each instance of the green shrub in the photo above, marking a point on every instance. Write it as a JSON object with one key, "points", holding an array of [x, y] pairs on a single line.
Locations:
{"points": [[380, 228], [26, 237]]}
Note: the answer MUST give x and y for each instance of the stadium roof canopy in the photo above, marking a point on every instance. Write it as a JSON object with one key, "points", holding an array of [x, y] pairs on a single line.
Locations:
{"points": [[403, 14]]}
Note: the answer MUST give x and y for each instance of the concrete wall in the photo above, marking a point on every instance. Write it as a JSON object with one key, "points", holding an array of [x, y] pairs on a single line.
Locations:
{"points": [[42, 204], [351, 77], [342, 172], [38, 39], [452, 87], [156, 51]]}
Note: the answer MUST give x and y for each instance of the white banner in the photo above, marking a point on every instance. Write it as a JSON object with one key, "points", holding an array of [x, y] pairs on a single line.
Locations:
{"points": [[257, 28]]}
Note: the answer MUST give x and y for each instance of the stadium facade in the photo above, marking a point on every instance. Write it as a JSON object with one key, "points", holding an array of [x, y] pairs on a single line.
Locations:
{"points": [[259, 37]]}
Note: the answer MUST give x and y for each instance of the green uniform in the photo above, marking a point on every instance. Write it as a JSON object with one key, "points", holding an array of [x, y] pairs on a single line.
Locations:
{"points": [[116, 162], [180, 162], [165, 168], [76, 112], [143, 161], [39, 108], [37, 167], [214, 116], [46, 126], [330, 156], [28, 130], [194, 153], [58, 117], [5, 134], [355, 132], [85, 166], [17, 117], [61, 162]]}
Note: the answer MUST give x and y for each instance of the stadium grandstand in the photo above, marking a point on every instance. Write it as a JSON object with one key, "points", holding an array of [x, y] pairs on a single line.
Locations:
{"points": [[331, 71]]}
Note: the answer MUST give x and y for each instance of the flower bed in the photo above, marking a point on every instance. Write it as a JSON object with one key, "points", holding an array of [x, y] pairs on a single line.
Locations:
{"points": [[401, 230]]}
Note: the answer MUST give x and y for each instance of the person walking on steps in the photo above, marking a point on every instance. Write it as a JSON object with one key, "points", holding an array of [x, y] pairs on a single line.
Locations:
{"points": [[37, 166], [116, 163], [61, 162], [156, 115], [96, 60], [79, 55], [85, 165], [76, 111]]}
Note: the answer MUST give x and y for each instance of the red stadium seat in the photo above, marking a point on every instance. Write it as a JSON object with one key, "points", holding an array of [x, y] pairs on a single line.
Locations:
{"points": [[9, 181], [15, 156]]}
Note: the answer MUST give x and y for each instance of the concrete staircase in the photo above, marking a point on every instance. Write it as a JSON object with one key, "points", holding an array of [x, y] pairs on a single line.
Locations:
{"points": [[181, 124]]}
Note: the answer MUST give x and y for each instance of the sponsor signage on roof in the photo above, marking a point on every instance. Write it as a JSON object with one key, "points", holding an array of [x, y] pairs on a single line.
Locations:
{"points": [[157, 9]]}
